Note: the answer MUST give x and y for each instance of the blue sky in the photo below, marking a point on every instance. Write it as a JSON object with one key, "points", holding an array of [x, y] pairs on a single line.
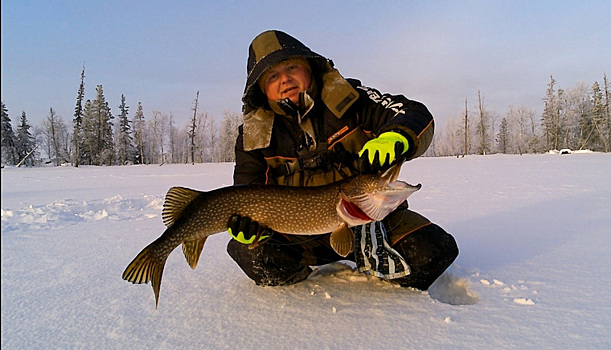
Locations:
{"points": [[162, 52]]}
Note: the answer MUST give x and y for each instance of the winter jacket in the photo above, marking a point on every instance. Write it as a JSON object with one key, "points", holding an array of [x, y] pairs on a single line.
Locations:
{"points": [[318, 142]]}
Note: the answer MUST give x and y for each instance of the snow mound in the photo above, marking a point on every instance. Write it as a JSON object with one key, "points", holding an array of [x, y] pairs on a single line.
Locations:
{"points": [[452, 290], [69, 211]]}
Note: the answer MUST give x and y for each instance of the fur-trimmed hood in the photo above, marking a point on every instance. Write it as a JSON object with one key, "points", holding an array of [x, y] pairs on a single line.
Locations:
{"points": [[268, 49]]}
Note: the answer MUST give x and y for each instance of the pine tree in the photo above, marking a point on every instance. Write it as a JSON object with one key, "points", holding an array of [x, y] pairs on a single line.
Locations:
{"points": [[9, 141], [607, 104], [484, 126], [466, 145], [125, 141], [88, 140], [139, 131], [503, 136], [104, 150], [551, 116], [78, 121], [25, 141], [599, 122]]}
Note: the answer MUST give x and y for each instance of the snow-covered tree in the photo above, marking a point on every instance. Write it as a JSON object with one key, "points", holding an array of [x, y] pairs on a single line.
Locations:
{"points": [[192, 130], [607, 104], [9, 141], [503, 136], [202, 143], [56, 138], [139, 132], [551, 116], [522, 130], [228, 136], [599, 120], [78, 122], [26, 143], [125, 143], [484, 127], [175, 144]]}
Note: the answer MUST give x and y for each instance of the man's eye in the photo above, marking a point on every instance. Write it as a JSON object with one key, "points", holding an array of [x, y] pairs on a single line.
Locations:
{"points": [[272, 77]]}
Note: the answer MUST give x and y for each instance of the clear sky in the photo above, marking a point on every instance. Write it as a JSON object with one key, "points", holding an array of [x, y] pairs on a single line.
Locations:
{"points": [[162, 52]]}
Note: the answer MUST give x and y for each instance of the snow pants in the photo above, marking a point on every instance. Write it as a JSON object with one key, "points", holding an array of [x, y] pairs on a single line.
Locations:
{"points": [[286, 259]]}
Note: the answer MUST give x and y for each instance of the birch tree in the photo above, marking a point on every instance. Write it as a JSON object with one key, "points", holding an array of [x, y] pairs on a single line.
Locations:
{"points": [[228, 136], [56, 137]]}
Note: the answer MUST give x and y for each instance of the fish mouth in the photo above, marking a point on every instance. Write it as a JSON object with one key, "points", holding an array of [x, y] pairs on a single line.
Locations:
{"points": [[402, 186]]}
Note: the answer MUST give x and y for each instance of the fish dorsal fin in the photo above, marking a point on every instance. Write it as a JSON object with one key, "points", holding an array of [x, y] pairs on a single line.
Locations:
{"points": [[193, 250], [342, 240], [176, 200]]}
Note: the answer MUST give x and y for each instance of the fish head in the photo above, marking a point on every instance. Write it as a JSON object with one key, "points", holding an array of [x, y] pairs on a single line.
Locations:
{"points": [[372, 197]]}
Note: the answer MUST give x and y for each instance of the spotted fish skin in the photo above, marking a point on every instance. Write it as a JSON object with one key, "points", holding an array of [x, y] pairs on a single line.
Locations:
{"points": [[191, 216]]}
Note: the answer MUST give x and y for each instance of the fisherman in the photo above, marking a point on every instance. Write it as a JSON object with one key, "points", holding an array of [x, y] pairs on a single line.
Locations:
{"points": [[306, 125]]}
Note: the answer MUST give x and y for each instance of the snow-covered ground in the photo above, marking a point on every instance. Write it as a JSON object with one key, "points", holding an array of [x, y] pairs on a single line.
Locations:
{"points": [[534, 269]]}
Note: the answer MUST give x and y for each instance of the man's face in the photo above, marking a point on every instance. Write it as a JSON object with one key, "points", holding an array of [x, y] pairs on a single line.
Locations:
{"points": [[286, 80]]}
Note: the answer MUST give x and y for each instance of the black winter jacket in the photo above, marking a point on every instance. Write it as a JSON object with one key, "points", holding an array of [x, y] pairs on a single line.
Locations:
{"points": [[316, 146]]}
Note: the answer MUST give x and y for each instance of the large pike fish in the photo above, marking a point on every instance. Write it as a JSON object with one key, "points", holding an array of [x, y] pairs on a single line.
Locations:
{"points": [[191, 216]]}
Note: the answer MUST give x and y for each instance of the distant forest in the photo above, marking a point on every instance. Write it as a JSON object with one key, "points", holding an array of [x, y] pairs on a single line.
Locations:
{"points": [[578, 118], [575, 119]]}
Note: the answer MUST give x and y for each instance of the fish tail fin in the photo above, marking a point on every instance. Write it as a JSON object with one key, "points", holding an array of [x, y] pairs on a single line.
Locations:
{"points": [[193, 250], [144, 268]]}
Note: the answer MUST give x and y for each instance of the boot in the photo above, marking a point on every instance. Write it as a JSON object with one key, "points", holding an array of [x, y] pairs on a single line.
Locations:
{"points": [[429, 251], [273, 263]]}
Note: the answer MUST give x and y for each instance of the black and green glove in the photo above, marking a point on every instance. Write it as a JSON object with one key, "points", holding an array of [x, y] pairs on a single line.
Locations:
{"points": [[247, 231], [383, 151]]}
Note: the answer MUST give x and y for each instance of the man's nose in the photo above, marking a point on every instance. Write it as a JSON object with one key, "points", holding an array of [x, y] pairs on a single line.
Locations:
{"points": [[284, 76]]}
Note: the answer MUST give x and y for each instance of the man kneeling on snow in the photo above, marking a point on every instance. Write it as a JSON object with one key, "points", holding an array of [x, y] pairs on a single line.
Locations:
{"points": [[306, 125]]}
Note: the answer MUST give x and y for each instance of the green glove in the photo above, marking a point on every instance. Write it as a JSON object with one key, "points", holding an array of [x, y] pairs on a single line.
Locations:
{"points": [[379, 153], [246, 231]]}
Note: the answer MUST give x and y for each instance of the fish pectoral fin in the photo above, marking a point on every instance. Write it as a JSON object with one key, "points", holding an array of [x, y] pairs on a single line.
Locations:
{"points": [[176, 200], [392, 173], [381, 203], [193, 250], [144, 268], [342, 240], [375, 206]]}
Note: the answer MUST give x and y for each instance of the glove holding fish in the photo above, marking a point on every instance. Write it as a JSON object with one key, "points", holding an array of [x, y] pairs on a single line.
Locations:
{"points": [[247, 231], [379, 153], [191, 216]]}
